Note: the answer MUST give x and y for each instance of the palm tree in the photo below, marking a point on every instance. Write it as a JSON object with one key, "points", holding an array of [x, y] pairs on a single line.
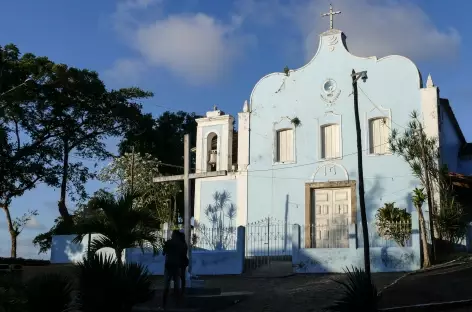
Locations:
{"points": [[418, 199], [121, 226]]}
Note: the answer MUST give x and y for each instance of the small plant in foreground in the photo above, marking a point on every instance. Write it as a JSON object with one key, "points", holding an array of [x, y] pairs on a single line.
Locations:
{"points": [[358, 293]]}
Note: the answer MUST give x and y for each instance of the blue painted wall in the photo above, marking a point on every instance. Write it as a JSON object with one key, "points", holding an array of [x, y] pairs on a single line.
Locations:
{"points": [[207, 193], [465, 166], [450, 143], [278, 189]]}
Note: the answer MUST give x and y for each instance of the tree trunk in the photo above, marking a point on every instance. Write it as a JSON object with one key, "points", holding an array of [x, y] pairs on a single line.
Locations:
{"points": [[13, 251], [63, 193], [119, 253], [429, 192], [424, 241], [11, 230]]}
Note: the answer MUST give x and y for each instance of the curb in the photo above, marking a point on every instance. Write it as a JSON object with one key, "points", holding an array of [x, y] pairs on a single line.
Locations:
{"points": [[435, 306]]}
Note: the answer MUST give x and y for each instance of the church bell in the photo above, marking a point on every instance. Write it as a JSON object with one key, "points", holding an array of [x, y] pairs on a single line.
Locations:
{"points": [[212, 160]]}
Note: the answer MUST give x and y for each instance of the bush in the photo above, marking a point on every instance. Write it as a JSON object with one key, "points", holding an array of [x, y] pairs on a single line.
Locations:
{"points": [[25, 262], [451, 221], [49, 292], [104, 285], [394, 223], [46, 292], [358, 295]]}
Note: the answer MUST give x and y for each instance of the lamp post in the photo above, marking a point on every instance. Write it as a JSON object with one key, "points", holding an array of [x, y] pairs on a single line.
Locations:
{"points": [[355, 77]]}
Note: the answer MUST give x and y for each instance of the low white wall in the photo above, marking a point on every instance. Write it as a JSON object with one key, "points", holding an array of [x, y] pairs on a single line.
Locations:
{"points": [[64, 251], [203, 262]]}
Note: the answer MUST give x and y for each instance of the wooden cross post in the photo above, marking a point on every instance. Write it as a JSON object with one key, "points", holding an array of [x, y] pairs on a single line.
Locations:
{"points": [[186, 177]]}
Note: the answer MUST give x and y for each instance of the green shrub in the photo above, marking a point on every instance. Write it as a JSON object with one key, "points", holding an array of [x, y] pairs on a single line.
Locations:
{"points": [[50, 292], [451, 221], [358, 293], [104, 285], [394, 223]]}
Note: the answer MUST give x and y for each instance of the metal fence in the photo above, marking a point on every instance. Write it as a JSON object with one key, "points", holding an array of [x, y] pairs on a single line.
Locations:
{"points": [[393, 235], [325, 236], [268, 240]]}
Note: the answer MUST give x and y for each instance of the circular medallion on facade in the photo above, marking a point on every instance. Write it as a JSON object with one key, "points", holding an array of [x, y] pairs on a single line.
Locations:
{"points": [[329, 86]]}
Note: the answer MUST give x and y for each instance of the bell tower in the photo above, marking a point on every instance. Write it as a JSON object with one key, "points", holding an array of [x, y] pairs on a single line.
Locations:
{"points": [[214, 146]]}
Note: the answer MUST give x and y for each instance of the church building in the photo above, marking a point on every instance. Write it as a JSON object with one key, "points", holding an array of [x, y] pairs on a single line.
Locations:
{"points": [[293, 159]]}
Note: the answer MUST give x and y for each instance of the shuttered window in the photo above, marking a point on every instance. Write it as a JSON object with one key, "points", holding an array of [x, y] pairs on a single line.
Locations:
{"points": [[330, 142], [378, 136], [285, 145]]}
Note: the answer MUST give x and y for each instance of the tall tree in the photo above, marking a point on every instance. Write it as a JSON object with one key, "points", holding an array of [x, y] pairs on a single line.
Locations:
{"points": [[84, 113], [135, 172], [26, 143], [162, 137], [422, 154]]}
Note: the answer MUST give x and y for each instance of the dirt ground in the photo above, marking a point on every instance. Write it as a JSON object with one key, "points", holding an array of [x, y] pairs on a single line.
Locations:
{"points": [[294, 293], [440, 285], [314, 292]]}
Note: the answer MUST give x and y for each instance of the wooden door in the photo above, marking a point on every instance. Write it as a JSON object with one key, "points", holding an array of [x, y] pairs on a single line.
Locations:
{"points": [[331, 218]]}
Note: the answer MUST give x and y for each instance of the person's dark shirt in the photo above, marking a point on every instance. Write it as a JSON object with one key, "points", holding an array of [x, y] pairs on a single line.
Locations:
{"points": [[174, 250]]}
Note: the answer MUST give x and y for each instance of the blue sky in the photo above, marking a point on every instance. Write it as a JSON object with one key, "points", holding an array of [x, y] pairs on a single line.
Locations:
{"points": [[194, 54]]}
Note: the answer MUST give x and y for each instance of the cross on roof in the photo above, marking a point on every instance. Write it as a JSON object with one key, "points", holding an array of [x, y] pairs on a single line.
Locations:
{"points": [[331, 14]]}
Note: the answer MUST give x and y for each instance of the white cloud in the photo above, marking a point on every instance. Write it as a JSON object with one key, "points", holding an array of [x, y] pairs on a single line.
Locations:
{"points": [[34, 224], [125, 71], [196, 47], [377, 28], [201, 48]]}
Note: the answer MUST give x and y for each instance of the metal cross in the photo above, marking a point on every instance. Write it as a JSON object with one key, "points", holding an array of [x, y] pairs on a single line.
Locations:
{"points": [[330, 14]]}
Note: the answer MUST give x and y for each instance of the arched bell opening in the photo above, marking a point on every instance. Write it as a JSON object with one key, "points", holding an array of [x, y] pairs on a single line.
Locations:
{"points": [[212, 151]]}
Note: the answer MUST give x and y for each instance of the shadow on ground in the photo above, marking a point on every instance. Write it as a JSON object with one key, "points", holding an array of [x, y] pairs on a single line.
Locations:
{"points": [[440, 285]]}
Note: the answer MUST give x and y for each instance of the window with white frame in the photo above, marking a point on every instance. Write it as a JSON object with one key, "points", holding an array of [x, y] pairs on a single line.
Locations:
{"points": [[285, 150], [330, 141], [379, 132]]}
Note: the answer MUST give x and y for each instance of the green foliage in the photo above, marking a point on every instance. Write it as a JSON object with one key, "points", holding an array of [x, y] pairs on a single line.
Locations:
{"points": [[394, 223], [49, 292], [105, 285], [296, 122], [120, 225], [140, 170], [162, 138], [44, 240], [286, 71], [359, 294], [415, 146], [419, 197], [451, 221], [65, 113]]}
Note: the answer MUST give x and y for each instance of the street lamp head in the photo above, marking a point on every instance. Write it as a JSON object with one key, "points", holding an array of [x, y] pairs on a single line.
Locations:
{"points": [[364, 76]]}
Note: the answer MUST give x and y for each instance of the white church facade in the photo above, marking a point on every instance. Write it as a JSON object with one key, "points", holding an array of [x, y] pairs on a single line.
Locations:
{"points": [[294, 158]]}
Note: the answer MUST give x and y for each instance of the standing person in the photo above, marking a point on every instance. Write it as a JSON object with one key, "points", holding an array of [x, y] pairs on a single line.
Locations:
{"points": [[184, 262], [173, 251]]}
